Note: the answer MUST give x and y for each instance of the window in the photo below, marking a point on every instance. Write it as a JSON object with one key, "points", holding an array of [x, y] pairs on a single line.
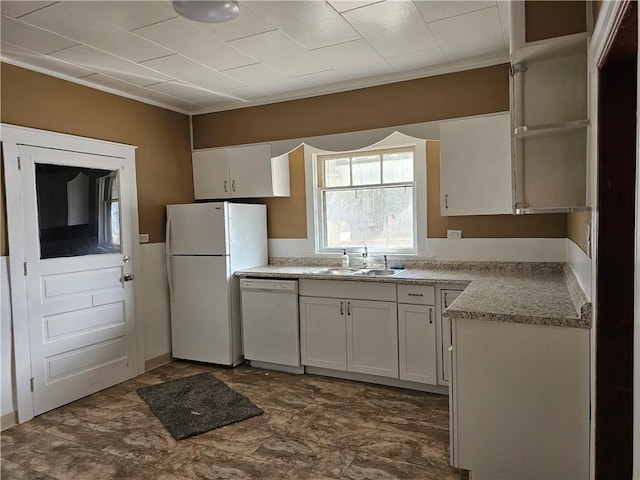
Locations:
{"points": [[366, 198]]}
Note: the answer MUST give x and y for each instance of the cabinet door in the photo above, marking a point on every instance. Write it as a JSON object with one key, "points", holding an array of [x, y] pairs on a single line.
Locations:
{"points": [[322, 333], [417, 343], [372, 338], [250, 171], [475, 166], [446, 299], [211, 174]]}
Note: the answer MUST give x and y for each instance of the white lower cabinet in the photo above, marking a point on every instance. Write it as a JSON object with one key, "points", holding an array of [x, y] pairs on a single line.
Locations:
{"points": [[447, 296], [343, 328], [417, 343], [323, 334], [519, 402], [372, 338]]}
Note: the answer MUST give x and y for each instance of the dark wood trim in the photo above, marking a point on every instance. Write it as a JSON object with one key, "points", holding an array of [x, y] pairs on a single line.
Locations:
{"points": [[617, 130]]}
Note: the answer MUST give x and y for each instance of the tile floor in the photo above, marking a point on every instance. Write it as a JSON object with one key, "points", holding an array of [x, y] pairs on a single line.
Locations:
{"points": [[312, 428]]}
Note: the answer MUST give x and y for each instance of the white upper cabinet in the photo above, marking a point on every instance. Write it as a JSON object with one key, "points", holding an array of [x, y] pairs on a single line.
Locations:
{"points": [[240, 172], [475, 166]]}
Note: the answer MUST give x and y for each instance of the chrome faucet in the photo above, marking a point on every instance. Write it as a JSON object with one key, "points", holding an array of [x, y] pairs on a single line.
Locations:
{"points": [[365, 254]]}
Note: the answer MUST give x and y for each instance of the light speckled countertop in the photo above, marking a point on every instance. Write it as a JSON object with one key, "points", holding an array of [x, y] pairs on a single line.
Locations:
{"points": [[546, 298]]}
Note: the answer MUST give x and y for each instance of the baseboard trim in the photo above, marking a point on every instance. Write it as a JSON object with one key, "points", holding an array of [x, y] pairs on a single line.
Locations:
{"points": [[390, 382], [8, 420], [157, 361]]}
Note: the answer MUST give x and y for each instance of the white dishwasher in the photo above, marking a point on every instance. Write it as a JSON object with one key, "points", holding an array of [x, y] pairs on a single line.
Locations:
{"points": [[270, 326]]}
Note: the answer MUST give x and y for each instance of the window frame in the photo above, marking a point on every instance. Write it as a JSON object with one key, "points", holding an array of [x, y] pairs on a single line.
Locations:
{"points": [[319, 219]]}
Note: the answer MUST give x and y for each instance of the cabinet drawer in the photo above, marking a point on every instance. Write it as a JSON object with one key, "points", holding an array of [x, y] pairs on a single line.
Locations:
{"points": [[417, 294]]}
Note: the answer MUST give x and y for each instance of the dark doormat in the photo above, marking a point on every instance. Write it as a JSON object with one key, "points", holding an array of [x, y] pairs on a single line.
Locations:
{"points": [[192, 405]]}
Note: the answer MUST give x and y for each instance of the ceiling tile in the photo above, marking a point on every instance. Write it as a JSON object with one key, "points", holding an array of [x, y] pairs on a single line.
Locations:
{"points": [[392, 28], [114, 83], [344, 5], [311, 24], [504, 10], [262, 77], [42, 61], [16, 9], [98, 61], [327, 77], [247, 23], [180, 36], [437, 10], [281, 53], [128, 14], [32, 38], [482, 26], [341, 57], [76, 23], [417, 60], [190, 93], [189, 71]]}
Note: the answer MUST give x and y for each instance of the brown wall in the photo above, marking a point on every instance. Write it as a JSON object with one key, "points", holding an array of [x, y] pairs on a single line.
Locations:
{"points": [[287, 216], [163, 156], [545, 19], [460, 94]]}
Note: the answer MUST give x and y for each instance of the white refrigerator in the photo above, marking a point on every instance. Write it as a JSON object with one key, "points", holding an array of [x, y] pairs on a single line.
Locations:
{"points": [[206, 243]]}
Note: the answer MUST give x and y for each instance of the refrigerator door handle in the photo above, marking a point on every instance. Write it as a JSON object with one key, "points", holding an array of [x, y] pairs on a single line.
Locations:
{"points": [[169, 278]]}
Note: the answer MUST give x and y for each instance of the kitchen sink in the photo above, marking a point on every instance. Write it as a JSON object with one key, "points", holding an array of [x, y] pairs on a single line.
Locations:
{"points": [[356, 272], [376, 273], [336, 271]]}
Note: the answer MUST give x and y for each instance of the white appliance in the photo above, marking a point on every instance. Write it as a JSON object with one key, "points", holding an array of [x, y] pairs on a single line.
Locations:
{"points": [[270, 327], [206, 244]]}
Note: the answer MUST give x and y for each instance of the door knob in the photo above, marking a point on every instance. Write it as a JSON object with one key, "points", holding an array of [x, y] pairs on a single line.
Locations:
{"points": [[128, 277]]}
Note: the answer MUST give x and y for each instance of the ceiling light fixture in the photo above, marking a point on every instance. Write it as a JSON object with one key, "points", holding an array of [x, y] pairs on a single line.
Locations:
{"points": [[214, 11]]}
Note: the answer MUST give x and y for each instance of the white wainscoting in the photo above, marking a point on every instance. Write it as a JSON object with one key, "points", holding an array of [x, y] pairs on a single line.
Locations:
{"points": [[580, 263], [464, 249], [155, 301], [7, 400]]}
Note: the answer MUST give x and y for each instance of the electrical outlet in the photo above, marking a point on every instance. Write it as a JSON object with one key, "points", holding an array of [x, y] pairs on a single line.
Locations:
{"points": [[454, 234], [143, 238]]}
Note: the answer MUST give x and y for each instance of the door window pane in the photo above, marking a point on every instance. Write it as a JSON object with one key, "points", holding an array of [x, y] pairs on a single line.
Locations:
{"points": [[78, 210]]}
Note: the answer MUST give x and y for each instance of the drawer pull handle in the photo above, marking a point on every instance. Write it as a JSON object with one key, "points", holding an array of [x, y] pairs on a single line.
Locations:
{"points": [[415, 294]]}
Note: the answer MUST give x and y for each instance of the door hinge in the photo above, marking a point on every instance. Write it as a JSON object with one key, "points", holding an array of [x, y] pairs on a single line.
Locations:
{"points": [[32, 384], [24, 265], [19, 164]]}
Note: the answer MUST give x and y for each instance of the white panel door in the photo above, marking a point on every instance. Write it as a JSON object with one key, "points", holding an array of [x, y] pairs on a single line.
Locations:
{"points": [[417, 343], [475, 166], [197, 229], [211, 174], [323, 339], [200, 308], [372, 338], [77, 211], [250, 171]]}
